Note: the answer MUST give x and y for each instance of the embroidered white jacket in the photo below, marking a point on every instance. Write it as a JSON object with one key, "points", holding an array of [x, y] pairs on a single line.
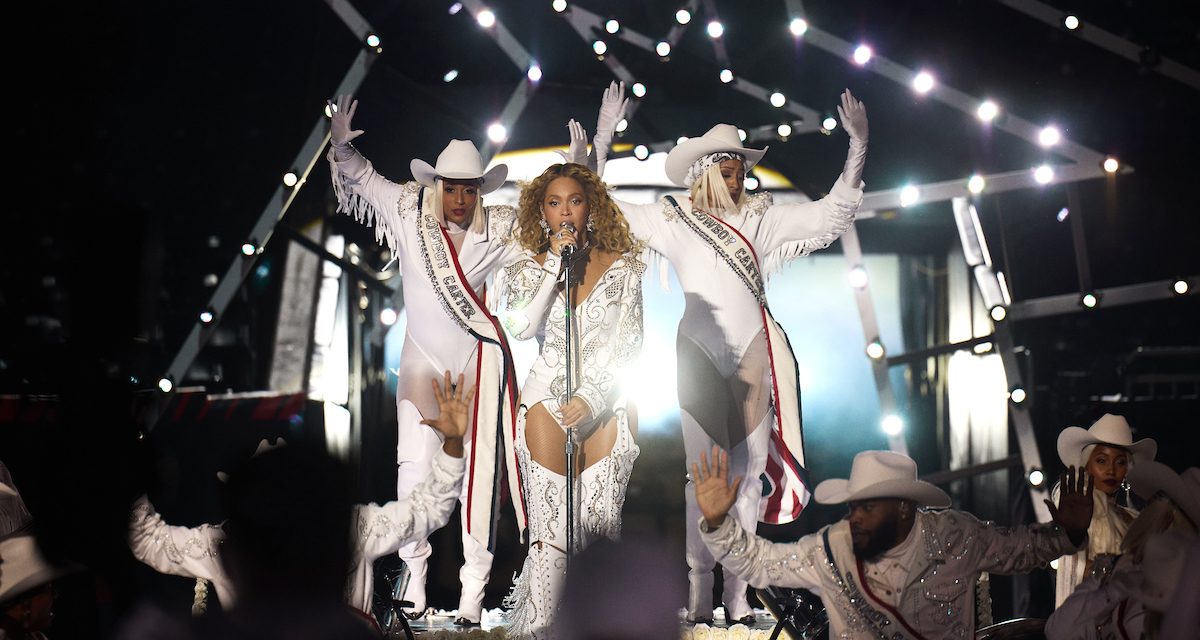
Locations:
{"points": [[938, 600]]}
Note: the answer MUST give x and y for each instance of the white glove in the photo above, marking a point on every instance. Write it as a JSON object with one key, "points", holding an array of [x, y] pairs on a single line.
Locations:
{"points": [[854, 120], [854, 116], [577, 152], [612, 109], [340, 131]]}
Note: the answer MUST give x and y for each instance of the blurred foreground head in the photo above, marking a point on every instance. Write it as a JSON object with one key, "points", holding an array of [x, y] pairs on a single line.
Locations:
{"points": [[630, 589]]}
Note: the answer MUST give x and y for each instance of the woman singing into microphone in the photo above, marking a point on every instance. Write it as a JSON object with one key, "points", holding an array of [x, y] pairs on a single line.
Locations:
{"points": [[566, 218]]}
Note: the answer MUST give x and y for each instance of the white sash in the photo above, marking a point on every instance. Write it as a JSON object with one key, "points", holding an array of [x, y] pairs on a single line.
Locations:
{"points": [[785, 473], [493, 428]]}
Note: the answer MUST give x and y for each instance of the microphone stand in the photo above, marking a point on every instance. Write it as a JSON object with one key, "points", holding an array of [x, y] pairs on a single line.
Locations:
{"points": [[568, 254]]}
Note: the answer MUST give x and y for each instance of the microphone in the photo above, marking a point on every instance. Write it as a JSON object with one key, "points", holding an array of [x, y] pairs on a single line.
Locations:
{"points": [[568, 250]]}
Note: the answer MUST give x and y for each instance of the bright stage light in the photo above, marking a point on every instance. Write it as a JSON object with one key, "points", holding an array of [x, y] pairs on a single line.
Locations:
{"points": [[862, 54], [829, 123], [534, 73], [1036, 479], [875, 350], [741, 134], [1062, 214], [751, 183], [206, 316], [290, 179], [1071, 22], [976, 183], [923, 82], [1017, 395], [857, 277], [388, 316], [683, 16], [1054, 564], [450, 75], [622, 125], [715, 29], [599, 47], [726, 76], [641, 152], [798, 26], [663, 49], [485, 18], [372, 40], [559, 5], [496, 132], [981, 348], [1180, 287], [165, 385], [784, 130], [211, 280], [248, 249], [639, 89], [778, 99], [455, 8], [612, 26], [998, 313], [987, 111], [909, 195], [1089, 300], [1049, 136], [892, 425], [1111, 165], [1043, 174]]}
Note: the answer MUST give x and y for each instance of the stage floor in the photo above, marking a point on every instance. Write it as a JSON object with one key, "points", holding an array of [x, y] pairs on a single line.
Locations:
{"points": [[441, 622]]}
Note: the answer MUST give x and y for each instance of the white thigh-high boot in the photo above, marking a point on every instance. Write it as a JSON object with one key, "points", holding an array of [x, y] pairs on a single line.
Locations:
{"points": [[415, 448], [751, 462], [602, 487], [536, 590], [699, 559], [476, 569]]}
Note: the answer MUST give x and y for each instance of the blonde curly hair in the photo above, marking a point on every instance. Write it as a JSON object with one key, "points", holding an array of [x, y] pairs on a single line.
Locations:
{"points": [[610, 231]]}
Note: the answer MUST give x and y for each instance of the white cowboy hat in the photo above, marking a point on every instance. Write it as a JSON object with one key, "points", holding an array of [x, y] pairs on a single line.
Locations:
{"points": [[460, 160], [881, 474], [1110, 430], [22, 566], [1163, 564], [1149, 477], [723, 137]]}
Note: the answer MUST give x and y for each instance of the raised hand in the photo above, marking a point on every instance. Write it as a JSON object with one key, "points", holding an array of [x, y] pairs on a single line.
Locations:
{"points": [[453, 402], [714, 493], [1074, 510], [340, 131], [578, 151], [853, 116], [612, 108]]}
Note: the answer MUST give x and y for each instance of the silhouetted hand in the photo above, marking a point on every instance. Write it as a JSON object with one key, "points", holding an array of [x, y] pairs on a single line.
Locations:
{"points": [[714, 493], [1074, 510]]}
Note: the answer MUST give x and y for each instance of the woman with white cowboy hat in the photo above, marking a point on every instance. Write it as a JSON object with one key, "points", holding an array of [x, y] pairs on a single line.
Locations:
{"points": [[1106, 450], [568, 206], [738, 386], [888, 569], [447, 244], [1106, 603]]}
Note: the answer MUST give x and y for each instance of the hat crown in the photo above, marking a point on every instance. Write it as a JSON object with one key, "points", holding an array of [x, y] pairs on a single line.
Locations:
{"points": [[458, 158], [872, 467], [1112, 429], [726, 134]]}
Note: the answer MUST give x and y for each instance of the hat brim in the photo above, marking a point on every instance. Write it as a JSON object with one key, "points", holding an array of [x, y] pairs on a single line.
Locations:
{"points": [[837, 491], [1149, 477], [680, 159], [424, 173], [1072, 440]]}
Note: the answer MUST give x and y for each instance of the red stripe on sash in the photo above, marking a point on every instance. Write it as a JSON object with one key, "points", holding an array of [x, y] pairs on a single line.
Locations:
{"points": [[862, 579]]}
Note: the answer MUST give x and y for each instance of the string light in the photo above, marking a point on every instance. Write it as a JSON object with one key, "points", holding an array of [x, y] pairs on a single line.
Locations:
{"points": [[496, 132], [778, 99], [862, 54], [909, 195], [976, 183], [450, 75], [1180, 287], [372, 40], [1111, 165], [875, 350], [622, 125], [641, 152], [683, 16], [987, 111], [663, 49], [639, 89], [715, 29], [1071, 22], [1017, 395], [165, 385], [1049, 136], [486, 18], [1036, 479], [857, 277], [559, 6], [726, 76], [829, 123], [248, 249], [612, 26], [998, 313], [535, 72], [784, 130], [751, 183], [1089, 300], [290, 179], [923, 82], [1043, 174], [798, 26], [599, 47]]}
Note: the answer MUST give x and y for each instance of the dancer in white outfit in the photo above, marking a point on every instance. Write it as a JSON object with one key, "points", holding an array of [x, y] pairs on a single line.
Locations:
{"points": [[606, 336], [447, 244], [195, 552], [738, 382]]}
